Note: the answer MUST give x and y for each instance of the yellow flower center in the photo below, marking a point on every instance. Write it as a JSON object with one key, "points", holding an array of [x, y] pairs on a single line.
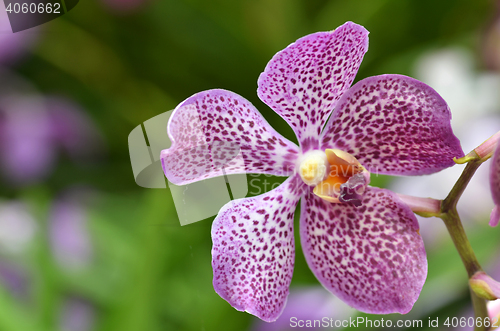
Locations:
{"points": [[313, 167], [341, 166]]}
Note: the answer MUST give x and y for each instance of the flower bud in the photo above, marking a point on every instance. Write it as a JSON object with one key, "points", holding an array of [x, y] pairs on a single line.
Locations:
{"points": [[485, 286]]}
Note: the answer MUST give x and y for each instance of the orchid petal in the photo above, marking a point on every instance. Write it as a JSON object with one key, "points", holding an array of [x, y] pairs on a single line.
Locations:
{"points": [[394, 125], [372, 257], [253, 250], [495, 185], [208, 131], [303, 82]]}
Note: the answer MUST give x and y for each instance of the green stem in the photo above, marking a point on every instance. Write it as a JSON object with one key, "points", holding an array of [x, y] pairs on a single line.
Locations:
{"points": [[464, 248], [456, 192], [452, 221], [480, 310]]}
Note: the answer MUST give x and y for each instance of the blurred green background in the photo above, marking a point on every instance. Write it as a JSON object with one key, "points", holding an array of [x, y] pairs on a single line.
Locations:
{"points": [[94, 251]]}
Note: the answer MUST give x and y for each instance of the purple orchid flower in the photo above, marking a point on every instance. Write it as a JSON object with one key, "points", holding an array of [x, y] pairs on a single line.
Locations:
{"points": [[361, 242], [495, 186]]}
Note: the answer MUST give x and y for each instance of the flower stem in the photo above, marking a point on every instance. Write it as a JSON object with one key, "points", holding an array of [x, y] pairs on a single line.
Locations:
{"points": [[464, 248], [452, 221], [456, 192], [480, 310]]}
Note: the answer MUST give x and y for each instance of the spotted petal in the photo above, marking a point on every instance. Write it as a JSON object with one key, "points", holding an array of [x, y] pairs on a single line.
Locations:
{"points": [[303, 82], [394, 125], [495, 185], [208, 131], [253, 250], [372, 256]]}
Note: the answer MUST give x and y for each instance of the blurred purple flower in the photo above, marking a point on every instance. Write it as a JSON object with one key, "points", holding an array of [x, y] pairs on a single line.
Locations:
{"points": [[70, 240], [15, 279], [77, 315], [27, 150], [14, 45], [73, 129], [32, 130], [308, 304]]}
